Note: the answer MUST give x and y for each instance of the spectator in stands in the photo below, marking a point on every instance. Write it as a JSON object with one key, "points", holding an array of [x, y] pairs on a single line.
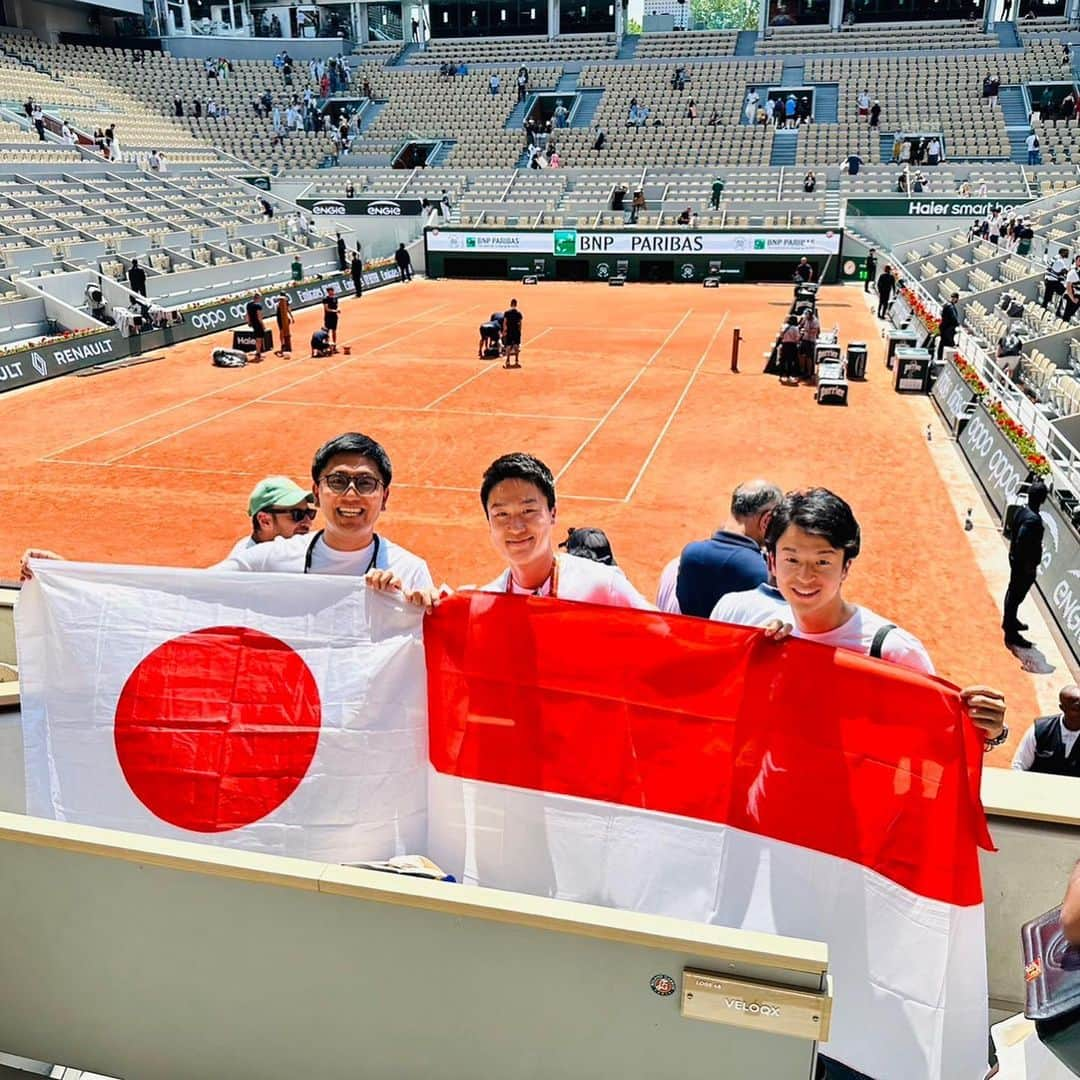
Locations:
{"points": [[811, 541], [995, 86], [714, 117], [1046, 104], [1070, 302], [853, 163], [155, 161], [886, 283], [554, 159], [933, 151], [863, 102], [918, 182], [731, 559], [197, 108], [717, 193], [871, 270], [1067, 108], [415, 30], [1054, 280], [212, 111], [1006, 9], [1032, 144], [494, 83], [277, 507], [253, 312], [789, 351], [38, 119], [1066, 54], [136, 276], [284, 318], [678, 78], [601, 138], [1009, 349], [666, 598], [1025, 556], [522, 83], [637, 204], [445, 209], [803, 112], [875, 116], [691, 110], [561, 114], [770, 112], [267, 207], [950, 324], [809, 182], [804, 271], [340, 245], [404, 262], [518, 496], [1024, 236], [1049, 745], [751, 106], [178, 106], [791, 106], [684, 217]]}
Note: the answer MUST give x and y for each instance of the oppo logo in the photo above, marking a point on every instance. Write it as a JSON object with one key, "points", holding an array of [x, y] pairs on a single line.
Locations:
{"points": [[978, 437], [207, 320], [1005, 474], [386, 209], [327, 208], [756, 1007]]}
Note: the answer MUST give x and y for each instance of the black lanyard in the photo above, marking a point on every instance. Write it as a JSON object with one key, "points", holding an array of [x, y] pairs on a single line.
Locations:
{"points": [[315, 540]]}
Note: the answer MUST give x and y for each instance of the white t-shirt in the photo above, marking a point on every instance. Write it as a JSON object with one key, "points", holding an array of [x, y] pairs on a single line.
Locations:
{"points": [[241, 545], [754, 607], [857, 635], [1024, 757], [288, 556], [583, 580], [1032, 141], [667, 598]]}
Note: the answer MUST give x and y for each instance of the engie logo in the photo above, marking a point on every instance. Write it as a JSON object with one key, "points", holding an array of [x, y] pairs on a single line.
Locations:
{"points": [[328, 208], [383, 209], [564, 241]]}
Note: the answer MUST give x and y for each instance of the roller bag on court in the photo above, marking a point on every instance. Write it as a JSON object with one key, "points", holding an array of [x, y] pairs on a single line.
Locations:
{"points": [[228, 358]]}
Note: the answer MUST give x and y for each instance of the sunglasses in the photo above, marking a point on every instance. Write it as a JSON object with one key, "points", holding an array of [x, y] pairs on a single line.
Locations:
{"points": [[297, 513], [362, 484]]}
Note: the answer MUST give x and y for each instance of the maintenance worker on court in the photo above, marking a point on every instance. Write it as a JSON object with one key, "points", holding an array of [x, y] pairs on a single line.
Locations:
{"points": [[254, 314], [330, 314], [277, 507], [512, 320]]}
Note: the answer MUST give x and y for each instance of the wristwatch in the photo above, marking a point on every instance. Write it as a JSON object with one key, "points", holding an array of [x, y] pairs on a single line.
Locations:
{"points": [[990, 744]]}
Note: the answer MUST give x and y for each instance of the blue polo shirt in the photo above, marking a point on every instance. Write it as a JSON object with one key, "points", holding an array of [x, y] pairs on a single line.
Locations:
{"points": [[709, 569]]}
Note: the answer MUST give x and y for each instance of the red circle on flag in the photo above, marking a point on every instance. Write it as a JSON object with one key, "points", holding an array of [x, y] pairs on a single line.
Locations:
{"points": [[215, 729]]}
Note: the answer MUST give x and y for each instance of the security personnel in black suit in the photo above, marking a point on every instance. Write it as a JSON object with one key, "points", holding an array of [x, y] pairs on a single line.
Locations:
{"points": [[1025, 554], [950, 323]]}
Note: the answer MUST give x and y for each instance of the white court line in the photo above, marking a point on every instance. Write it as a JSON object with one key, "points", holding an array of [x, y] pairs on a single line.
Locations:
{"points": [[492, 366], [416, 409], [619, 400], [217, 390], [675, 408], [243, 405], [238, 472]]}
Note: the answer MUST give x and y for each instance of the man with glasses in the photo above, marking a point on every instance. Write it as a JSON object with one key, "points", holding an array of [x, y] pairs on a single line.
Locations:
{"points": [[277, 507], [351, 477]]}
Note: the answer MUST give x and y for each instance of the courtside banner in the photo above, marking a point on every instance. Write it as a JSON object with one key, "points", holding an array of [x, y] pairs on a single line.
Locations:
{"points": [[692, 769], [282, 714], [574, 242]]}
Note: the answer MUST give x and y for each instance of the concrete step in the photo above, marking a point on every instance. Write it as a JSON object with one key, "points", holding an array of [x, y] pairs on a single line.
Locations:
{"points": [[745, 43], [583, 114], [784, 144], [628, 47], [826, 103]]}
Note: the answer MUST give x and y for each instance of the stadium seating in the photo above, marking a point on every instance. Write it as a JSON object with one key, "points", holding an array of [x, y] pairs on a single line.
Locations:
{"points": [[527, 50]]}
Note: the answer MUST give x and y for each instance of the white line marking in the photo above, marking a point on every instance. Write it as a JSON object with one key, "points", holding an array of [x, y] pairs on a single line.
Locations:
{"points": [[220, 389], [243, 405], [415, 409], [492, 366], [678, 404], [619, 400]]}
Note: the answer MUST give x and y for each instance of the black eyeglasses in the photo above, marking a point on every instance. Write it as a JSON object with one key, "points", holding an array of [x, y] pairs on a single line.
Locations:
{"points": [[362, 483], [297, 513]]}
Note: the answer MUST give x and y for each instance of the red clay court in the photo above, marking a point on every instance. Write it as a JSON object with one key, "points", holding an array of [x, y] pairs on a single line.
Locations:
{"points": [[626, 394]]}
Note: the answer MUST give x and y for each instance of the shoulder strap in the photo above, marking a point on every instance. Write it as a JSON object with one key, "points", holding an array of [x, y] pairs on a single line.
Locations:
{"points": [[879, 640]]}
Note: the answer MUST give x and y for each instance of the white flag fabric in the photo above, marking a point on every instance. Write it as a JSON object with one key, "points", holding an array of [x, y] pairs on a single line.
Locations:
{"points": [[165, 702]]}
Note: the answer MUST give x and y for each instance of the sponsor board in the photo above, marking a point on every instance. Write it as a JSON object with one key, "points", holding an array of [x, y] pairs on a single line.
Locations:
{"points": [[996, 462], [904, 206], [329, 206], [567, 243], [62, 357], [953, 397]]}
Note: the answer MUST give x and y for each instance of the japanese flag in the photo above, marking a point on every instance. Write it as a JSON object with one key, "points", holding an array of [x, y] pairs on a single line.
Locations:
{"points": [[273, 712]]}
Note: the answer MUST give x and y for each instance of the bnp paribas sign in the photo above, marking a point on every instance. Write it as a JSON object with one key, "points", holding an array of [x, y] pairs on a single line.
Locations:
{"points": [[937, 208]]}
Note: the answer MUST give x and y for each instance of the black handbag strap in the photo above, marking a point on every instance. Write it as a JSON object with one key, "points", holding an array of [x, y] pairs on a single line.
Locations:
{"points": [[879, 640]]}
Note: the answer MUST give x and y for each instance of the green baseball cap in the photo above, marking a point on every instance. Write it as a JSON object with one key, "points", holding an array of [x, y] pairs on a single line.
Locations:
{"points": [[276, 491]]}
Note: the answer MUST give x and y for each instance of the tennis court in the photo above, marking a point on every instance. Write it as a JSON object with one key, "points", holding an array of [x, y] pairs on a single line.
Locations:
{"points": [[625, 393]]}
